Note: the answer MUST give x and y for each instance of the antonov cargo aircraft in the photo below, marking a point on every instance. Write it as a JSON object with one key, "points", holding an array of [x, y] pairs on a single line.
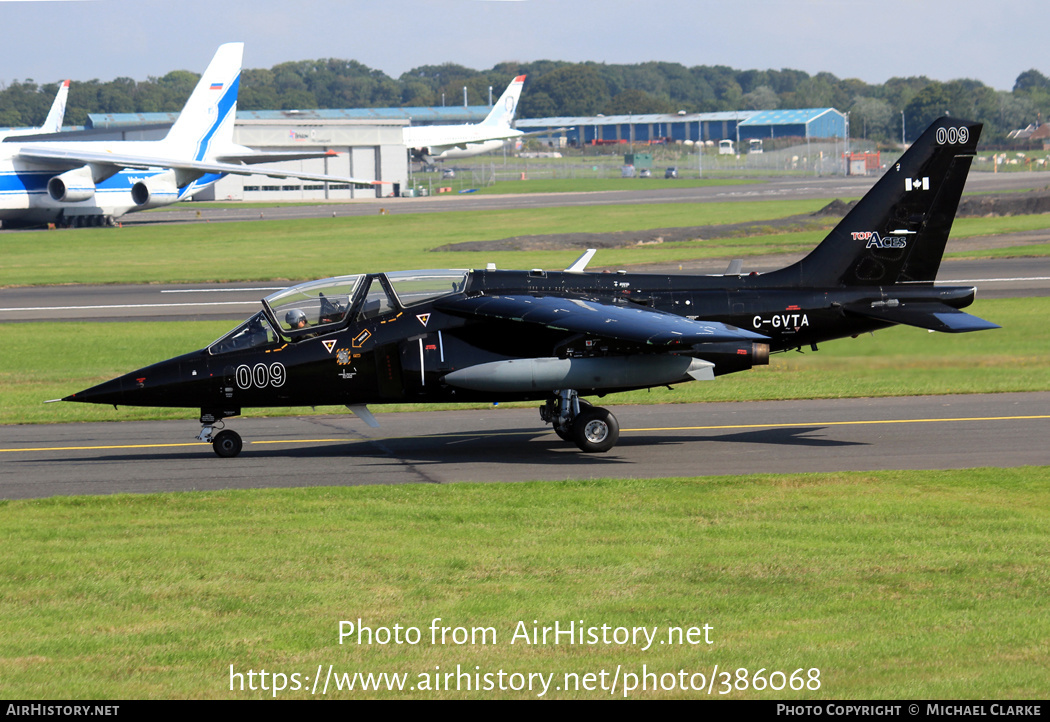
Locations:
{"points": [[53, 122], [82, 183]]}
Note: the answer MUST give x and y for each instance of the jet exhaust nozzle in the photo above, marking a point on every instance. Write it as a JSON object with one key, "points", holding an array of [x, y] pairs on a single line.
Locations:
{"points": [[728, 357]]}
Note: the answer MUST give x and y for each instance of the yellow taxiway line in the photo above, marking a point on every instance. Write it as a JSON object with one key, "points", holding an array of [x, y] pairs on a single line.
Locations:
{"points": [[723, 427]]}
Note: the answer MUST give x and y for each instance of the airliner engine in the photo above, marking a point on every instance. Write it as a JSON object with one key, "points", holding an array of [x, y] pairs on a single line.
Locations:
{"points": [[72, 186], [156, 190]]}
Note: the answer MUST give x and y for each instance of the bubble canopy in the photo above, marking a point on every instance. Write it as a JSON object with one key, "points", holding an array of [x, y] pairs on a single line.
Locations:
{"points": [[318, 307], [313, 305]]}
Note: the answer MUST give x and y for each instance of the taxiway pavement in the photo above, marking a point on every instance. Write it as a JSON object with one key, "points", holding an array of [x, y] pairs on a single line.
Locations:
{"points": [[501, 444]]}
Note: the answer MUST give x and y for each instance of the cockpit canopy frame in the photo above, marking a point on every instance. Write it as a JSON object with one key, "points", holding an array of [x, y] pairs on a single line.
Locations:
{"points": [[318, 307], [313, 307]]}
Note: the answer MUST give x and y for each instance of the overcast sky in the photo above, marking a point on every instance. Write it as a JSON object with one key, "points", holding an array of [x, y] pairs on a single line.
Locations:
{"points": [[874, 40]]}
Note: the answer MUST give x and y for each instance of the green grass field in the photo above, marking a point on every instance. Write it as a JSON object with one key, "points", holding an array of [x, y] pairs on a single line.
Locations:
{"points": [[50, 360], [894, 585], [324, 247], [587, 185]]}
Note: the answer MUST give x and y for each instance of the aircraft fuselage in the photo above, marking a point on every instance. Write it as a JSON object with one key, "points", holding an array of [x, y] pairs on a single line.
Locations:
{"points": [[493, 335], [406, 353], [26, 200]]}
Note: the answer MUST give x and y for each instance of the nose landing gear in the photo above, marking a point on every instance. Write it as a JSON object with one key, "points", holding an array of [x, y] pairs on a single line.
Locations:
{"points": [[592, 428], [227, 442]]}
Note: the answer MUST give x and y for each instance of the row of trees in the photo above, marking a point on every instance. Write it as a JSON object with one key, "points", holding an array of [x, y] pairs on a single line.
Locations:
{"points": [[557, 88]]}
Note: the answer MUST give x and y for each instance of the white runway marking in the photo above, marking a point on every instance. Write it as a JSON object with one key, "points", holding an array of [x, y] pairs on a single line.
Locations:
{"points": [[130, 305]]}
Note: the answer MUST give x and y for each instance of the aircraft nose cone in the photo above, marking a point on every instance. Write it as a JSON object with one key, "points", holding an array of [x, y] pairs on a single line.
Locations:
{"points": [[162, 384], [110, 392]]}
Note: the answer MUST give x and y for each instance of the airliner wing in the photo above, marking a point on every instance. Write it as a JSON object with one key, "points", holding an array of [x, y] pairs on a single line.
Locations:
{"points": [[274, 156], [74, 158]]}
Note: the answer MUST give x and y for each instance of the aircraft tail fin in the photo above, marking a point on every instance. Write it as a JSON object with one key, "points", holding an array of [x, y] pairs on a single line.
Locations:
{"points": [[53, 122], [502, 112], [206, 121], [897, 232]]}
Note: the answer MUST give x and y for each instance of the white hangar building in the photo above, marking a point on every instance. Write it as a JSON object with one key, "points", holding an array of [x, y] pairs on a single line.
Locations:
{"points": [[366, 149], [368, 141]]}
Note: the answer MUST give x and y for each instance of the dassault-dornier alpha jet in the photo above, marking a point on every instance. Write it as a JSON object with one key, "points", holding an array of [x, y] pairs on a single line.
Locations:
{"points": [[493, 335]]}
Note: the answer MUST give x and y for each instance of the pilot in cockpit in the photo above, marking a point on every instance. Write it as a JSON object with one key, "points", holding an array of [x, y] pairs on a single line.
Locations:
{"points": [[296, 319]]}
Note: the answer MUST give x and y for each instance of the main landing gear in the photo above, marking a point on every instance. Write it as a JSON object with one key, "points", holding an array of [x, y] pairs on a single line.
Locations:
{"points": [[591, 428], [86, 221]]}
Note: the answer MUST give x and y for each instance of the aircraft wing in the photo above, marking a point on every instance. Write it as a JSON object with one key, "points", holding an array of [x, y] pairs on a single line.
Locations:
{"points": [[627, 323], [493, 134], [931, 316], [77, 157], [274, 156]]}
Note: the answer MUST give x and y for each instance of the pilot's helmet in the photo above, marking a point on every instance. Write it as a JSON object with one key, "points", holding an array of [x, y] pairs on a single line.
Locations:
{"points": [[295, 318]]}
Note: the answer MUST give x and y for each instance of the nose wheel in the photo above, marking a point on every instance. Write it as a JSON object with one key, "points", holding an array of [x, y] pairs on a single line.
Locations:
{"points": [[227, 443]]}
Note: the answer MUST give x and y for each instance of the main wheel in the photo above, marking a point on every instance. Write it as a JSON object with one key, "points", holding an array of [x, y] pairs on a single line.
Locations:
{"points": [[566, 433], [595, 430], [227, 444]]}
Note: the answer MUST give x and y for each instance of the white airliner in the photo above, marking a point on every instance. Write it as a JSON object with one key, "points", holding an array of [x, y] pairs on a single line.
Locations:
{"points": [[435, 142], [83, 183], [53, 122]]}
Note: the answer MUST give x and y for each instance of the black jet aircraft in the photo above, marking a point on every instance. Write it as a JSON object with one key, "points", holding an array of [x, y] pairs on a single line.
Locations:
{"points": [[494, 335]]}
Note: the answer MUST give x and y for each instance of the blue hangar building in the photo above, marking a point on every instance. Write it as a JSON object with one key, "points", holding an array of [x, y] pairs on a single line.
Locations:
{"points": [[678, 127]]}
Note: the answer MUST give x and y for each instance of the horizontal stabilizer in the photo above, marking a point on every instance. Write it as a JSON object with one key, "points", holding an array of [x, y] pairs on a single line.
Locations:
{"points": [[548, 131], [932, 316], [635, 324]]}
